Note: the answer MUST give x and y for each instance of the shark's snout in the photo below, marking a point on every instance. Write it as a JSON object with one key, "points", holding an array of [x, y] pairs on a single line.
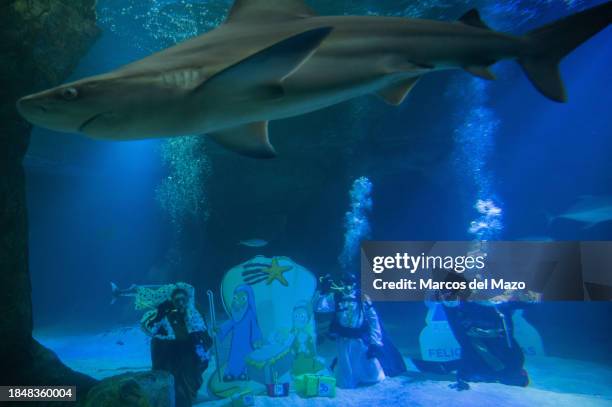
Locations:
{"points": [[29, 107], [43, 110]]}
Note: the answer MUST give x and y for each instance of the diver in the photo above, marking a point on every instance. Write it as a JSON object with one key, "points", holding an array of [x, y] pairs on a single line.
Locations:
{"points": [[179, 344], [485, 333], [365, 353]]}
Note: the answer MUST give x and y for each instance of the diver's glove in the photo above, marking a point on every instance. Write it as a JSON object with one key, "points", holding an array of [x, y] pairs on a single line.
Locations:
{"points": [[201, 344], [201, 339], [162, 310], [374, 351], [207, 340], [201, 352], [325, 284]]}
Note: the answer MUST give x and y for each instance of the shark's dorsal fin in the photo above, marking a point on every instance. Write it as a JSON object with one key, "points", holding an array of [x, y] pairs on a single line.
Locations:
{"points": [[250, 140], [472, 18], [268, 10], [397, 92], [260, 75]]}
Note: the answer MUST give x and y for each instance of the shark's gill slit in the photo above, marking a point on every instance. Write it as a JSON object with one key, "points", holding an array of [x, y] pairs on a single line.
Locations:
{"points": [[89, 121]]}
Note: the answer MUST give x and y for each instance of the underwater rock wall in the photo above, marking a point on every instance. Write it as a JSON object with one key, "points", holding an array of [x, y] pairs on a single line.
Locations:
{"points": [[40, 44], [155, 388]]}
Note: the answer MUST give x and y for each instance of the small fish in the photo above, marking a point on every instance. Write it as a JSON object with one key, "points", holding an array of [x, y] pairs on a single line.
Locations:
{"points": [[253, 243], [589, 209], [120, 343]]}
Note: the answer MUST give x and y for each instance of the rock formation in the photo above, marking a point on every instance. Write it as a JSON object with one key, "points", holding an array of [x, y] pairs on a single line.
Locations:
{"points": [[40, 44], [150, 389]]}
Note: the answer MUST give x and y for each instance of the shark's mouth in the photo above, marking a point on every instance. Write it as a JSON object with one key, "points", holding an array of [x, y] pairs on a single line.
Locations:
{"points": [[90, 120]]}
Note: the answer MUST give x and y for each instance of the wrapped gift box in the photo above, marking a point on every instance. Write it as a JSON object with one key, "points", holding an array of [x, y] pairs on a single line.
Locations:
{"points": [[311, 385], [278, 389], [243, 399]]}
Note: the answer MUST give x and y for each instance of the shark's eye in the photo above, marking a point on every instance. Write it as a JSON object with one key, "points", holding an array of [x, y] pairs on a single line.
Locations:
{"points": [[69, 93]]}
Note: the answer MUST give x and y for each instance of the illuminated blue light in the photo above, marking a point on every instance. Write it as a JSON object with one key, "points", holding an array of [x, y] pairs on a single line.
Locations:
{"points": [[182, 193], [151, 26], [476, 133], [475, 140], [356, 224]]}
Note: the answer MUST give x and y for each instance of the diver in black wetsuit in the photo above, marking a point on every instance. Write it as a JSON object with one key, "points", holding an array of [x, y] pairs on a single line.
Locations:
{"points": [[180, 344], [366, 354], [484, 330]]}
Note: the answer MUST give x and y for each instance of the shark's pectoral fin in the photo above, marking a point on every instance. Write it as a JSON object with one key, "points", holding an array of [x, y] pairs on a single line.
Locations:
{"points": [[267, 92], [397, 92], [481, 71], [260, 75], [590, 225], [268, 10], [472, 17], [250, 140]]}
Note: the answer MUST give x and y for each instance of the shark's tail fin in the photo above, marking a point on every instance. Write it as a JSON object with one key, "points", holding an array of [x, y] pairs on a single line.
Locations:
{"points": [[551, 43], [550, 218], [114, 292]]}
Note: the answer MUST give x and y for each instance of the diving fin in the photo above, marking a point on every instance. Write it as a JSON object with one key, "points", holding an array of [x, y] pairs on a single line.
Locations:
{"points": [[441, 368], [250, 140], [397, 92], [260, 75]]}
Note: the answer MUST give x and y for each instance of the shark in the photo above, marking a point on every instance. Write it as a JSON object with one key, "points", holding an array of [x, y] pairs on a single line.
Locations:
{"points": [[590, 210], [274, 59]]}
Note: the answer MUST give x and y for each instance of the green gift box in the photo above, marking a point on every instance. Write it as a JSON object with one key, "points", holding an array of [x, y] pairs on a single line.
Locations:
{"points": [[311, 385], [243, 399]]}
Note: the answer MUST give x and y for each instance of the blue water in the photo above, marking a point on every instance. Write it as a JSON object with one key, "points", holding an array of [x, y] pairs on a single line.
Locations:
{"points": [[96, 217]]}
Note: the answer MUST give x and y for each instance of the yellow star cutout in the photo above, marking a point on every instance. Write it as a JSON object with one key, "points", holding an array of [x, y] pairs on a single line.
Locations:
{"points": [[275, 272]]}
